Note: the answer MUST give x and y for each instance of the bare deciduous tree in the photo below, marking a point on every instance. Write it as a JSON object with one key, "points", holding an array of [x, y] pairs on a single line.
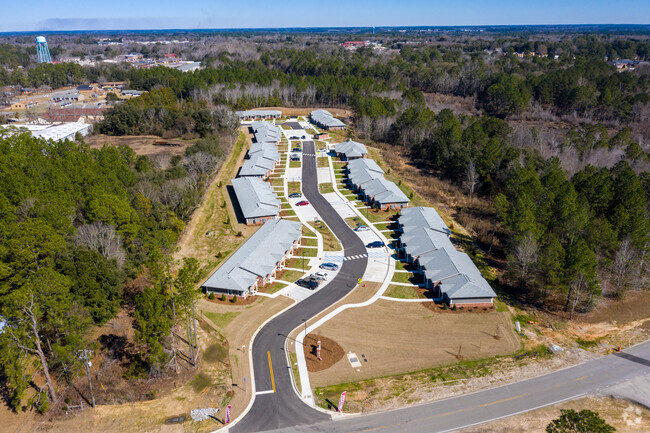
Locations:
{"points": [[525, 255], [471, 178], [102, 238], [622, 272]]}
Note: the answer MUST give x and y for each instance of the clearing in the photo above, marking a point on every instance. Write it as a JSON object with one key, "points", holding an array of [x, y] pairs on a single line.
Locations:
{"points": [[420, 339]]}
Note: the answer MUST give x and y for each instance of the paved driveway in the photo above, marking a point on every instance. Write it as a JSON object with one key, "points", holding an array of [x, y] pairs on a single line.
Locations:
{"points": [[279, 406]]}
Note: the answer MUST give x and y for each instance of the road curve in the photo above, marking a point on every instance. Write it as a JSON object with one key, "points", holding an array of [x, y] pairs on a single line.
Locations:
{"points": [[468, 410], [283, 408]]}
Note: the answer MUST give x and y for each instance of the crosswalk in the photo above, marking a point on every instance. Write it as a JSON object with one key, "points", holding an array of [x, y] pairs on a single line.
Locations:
{"points": [[336, 258]]}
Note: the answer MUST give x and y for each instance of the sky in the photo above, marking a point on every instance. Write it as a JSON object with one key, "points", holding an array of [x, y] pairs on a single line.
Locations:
{"points": [[51, 15]]}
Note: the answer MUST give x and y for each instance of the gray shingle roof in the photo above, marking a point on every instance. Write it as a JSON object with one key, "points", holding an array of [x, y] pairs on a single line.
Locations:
{"points": [[268, 150], [257, 257], [426, 237], [423, 217], [351, 149], [257, 165], [384, 191], [266, 132], [324, 117], [422, 240], [256, 197], [361, 171]]}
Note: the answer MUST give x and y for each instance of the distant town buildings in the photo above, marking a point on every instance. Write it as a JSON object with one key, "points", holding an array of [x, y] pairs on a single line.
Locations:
{"points": [[60, 132]]}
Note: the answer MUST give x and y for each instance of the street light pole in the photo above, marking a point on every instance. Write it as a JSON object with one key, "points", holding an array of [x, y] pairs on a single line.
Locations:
{"points": [[305, 322]]}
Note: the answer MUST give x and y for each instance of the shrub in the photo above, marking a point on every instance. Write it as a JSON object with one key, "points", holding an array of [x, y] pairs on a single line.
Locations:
{"points": [[453, 307], [223, 297], [234, 299], [211, 295]]}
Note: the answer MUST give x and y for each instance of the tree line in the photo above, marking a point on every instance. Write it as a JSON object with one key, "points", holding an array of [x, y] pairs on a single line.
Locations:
{"points": [[76, 224]]}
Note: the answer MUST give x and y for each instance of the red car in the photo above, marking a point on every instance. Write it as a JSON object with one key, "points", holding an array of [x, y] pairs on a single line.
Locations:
{"points": [[302, 203]]}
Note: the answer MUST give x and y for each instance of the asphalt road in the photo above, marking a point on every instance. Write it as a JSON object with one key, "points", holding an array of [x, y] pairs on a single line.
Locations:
{"points": [[283, 408], [477, 408]]}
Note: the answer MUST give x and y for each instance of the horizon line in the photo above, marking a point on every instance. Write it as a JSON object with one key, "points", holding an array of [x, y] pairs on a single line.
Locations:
{"points": [[231, 29]]}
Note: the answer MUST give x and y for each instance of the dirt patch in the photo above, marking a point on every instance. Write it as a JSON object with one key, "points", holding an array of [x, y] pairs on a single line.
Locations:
{"points": [[143, 145], [440, 308], [635, 306], [414, 339], [331, 352]]}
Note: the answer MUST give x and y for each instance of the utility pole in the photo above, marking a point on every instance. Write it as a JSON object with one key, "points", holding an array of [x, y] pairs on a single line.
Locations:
{"points": [[85, 355]]}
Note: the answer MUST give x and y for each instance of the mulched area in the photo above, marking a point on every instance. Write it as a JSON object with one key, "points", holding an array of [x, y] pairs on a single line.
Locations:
{"points": [[240, 300], [438, 308], [331, 352]]}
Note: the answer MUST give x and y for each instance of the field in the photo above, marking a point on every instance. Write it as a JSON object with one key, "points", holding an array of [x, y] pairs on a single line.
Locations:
{"points": [[142, 145], [434, 339]]}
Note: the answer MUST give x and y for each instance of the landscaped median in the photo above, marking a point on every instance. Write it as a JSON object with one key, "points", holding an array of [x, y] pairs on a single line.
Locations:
{"points": [[330, 242]]}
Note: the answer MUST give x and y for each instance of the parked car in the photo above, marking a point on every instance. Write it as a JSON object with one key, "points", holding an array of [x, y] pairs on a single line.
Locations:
{"points": [[302, 203], [330, 266], [295, 157], [361, 228], [308, 284], [296, 149], [303, 137], [322, 275], [375, 244], [295, 195]]}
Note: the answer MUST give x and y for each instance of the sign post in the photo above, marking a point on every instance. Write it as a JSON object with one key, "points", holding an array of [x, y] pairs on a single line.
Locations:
{"points": [[318, 351], [228, 414], [341, 401]]}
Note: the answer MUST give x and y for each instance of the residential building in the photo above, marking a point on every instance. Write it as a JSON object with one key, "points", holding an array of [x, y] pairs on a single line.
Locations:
{"points": [[384, 194], [361, 171], [450, 274], [324, 119], [349, 150], [257, 165], [68, 95], [131, 93], [256, 262], [257, 200], [258, 114]]}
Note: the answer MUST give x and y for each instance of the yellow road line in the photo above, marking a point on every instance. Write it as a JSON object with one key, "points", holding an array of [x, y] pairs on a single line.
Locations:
{"points": [[583, 377], [271, 370], [501, 401]]}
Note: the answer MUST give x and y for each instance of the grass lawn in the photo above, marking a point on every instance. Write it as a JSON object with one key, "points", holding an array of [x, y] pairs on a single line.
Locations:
{"points": [[353, 221], [321, 161], [330, 243], [320, 144], [294, 368], [308, 252], [287, 212], [326, 187], [339, 175], [295, 164], [273, 287], [401, 292], [221, 319], [380, 215], [295, 144], [277, 181], [293, 187], [409, 278], [296, 262], [385, 226], [308, 242], [289, 275], [285, 127]]}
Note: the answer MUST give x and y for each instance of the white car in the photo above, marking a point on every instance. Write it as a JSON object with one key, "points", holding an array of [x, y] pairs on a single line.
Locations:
{"points": [[362, 228], [321, 275]]}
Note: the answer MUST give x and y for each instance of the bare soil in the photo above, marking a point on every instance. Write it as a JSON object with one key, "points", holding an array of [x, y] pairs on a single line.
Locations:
{"points": [[331, 352], [143, 145], [398, 337], [635, 306]]}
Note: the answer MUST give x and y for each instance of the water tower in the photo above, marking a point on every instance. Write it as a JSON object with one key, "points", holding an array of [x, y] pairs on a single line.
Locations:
{"points": [[42, 52]]}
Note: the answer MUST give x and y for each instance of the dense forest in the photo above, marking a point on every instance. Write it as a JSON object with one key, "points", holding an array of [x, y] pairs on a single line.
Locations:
{"points": [[77, 224]]}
